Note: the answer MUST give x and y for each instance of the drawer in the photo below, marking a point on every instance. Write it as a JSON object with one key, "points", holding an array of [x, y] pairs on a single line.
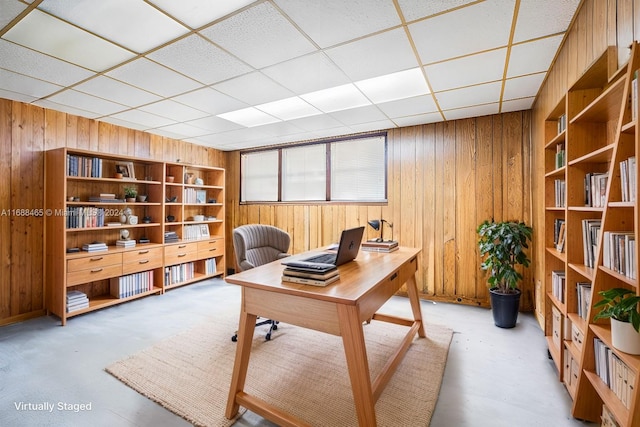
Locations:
{"points": [[141, 254], [575, 373], [214, 247], [93, 261], [180, 249], [94, 273], [556, 326], [408, 270], [180, 257], [142, 264], [576, 336], [566, 369]]}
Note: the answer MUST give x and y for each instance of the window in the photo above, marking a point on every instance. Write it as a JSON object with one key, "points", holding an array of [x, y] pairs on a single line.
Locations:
{"points": [[348, 170]]}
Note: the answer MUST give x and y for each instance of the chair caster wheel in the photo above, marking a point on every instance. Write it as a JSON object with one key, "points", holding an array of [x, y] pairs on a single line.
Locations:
{"points": [[234, 338], [268, 337], [275, 327]]}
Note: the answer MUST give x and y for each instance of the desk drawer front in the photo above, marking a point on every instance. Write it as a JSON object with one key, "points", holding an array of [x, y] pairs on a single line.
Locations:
{"points": [[180, 248], [141, 254], [180, 257], [408, 270], [93, 274], [93, 261]]}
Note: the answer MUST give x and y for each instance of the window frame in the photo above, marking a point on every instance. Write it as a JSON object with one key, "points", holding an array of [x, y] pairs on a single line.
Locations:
{"points": [[327, 143]]}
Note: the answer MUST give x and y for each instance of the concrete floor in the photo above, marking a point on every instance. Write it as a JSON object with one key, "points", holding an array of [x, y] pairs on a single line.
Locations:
{"points": [[494, 377]]}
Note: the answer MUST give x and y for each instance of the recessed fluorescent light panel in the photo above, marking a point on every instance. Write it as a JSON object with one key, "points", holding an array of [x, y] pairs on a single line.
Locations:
{"points": [[249, 117], [390, 87], [289, 109], [336, 98]]}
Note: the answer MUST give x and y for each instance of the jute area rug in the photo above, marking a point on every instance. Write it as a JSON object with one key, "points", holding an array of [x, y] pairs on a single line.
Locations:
{"points": [[301, 371]]}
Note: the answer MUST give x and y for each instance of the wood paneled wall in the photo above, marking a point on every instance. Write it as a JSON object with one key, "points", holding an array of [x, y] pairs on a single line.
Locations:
{"points": [[25, 132], [444, 180], [598, 24]]}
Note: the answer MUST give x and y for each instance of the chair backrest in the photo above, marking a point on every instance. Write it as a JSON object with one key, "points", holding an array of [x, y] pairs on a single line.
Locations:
{"points": [[257, 244]]}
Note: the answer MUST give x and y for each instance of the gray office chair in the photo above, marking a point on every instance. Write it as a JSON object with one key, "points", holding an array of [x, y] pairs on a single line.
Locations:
{"points": [[255, 245]]}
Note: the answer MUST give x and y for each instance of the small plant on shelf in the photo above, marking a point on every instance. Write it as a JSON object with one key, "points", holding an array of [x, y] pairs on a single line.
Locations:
{"points": [[130, 192], [620, 304]]}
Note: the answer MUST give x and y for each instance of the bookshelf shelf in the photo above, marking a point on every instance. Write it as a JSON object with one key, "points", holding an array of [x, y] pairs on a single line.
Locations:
{"points": [[89, 207]]}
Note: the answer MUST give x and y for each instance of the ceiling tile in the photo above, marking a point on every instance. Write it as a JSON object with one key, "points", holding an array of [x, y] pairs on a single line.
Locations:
{"points": [[330, 22], [173, 110], [123, 123], [215, 124], [376, 55], [543, 17], [133, 24], [26, 61], [418, 119], [143, 118], [412, 9], [307, 73], [253, 88], [533, 57], [409, 107], [196, 13], [373, 126], [355, 116], [66, 42], [457, 33], [114, 90], [517, 104], [336, 98], [181, 130], [458, 98], [249, 117], [260, 36], [468, 70], [16, 96], [476, 111], [210, 100], [153, 77], [316, 123], [45, 103], [198, 58], [390, 87], [289, 108], [10, 9], [521, 87], [26, 85], [86, 102]]}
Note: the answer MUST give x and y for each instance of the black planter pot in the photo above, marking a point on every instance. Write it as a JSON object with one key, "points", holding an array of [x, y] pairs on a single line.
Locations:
{"points": [[505, 308]]}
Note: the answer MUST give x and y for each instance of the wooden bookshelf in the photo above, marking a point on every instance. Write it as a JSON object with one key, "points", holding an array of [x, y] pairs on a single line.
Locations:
{"points": [[85, 203], [600, 134]]}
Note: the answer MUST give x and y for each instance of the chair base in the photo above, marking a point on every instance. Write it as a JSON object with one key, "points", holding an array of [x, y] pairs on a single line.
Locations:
{"points": [[267, 337]]}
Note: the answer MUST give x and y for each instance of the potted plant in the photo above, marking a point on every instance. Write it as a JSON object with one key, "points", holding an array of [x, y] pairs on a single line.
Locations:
{"points": [[130, 193], [503, 247], [621, 306]]}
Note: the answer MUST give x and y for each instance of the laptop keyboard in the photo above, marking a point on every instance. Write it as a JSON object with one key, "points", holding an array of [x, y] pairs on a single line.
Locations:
{"points": [[323, 258]]}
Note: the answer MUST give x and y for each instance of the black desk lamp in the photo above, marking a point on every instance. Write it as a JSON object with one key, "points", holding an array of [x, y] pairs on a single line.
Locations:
{"points": [[379, 225]]}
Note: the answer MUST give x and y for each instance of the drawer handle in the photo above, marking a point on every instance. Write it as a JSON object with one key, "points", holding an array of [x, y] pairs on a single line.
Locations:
{"points": [[97, 270], [393, 276], [143, 261], [182, 246], [181, 255], [97, 258], [213, 249], [143, 252]]}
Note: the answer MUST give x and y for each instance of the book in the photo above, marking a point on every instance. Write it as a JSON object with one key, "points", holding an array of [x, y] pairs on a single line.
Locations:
{"points": [[385, 250], [126, 243], [306, 281], [376, 244], [310, 275]]}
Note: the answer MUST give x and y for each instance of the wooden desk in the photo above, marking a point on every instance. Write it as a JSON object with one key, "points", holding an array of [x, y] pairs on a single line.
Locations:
{"points": [[339, 309]]}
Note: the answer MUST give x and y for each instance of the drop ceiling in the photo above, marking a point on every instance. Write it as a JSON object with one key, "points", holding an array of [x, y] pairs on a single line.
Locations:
{"points": [[241, 74]]}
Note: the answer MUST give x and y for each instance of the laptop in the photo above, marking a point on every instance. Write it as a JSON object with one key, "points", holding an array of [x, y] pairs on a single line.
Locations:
{"points": [[348, 248]]}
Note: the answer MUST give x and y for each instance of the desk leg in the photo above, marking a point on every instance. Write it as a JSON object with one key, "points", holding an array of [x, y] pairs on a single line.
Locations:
{"points": [[243, 351], [414, 299], [357, 363]]}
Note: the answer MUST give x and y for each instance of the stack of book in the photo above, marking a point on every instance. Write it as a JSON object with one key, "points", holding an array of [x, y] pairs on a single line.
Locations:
{"points": [[171, 237], [95, 247], [126, 243], [309, 277], [375, 246], [76, 300]]}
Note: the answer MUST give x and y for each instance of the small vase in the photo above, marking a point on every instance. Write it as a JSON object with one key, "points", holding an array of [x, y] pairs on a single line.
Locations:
{"points": [[624, 337]]}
